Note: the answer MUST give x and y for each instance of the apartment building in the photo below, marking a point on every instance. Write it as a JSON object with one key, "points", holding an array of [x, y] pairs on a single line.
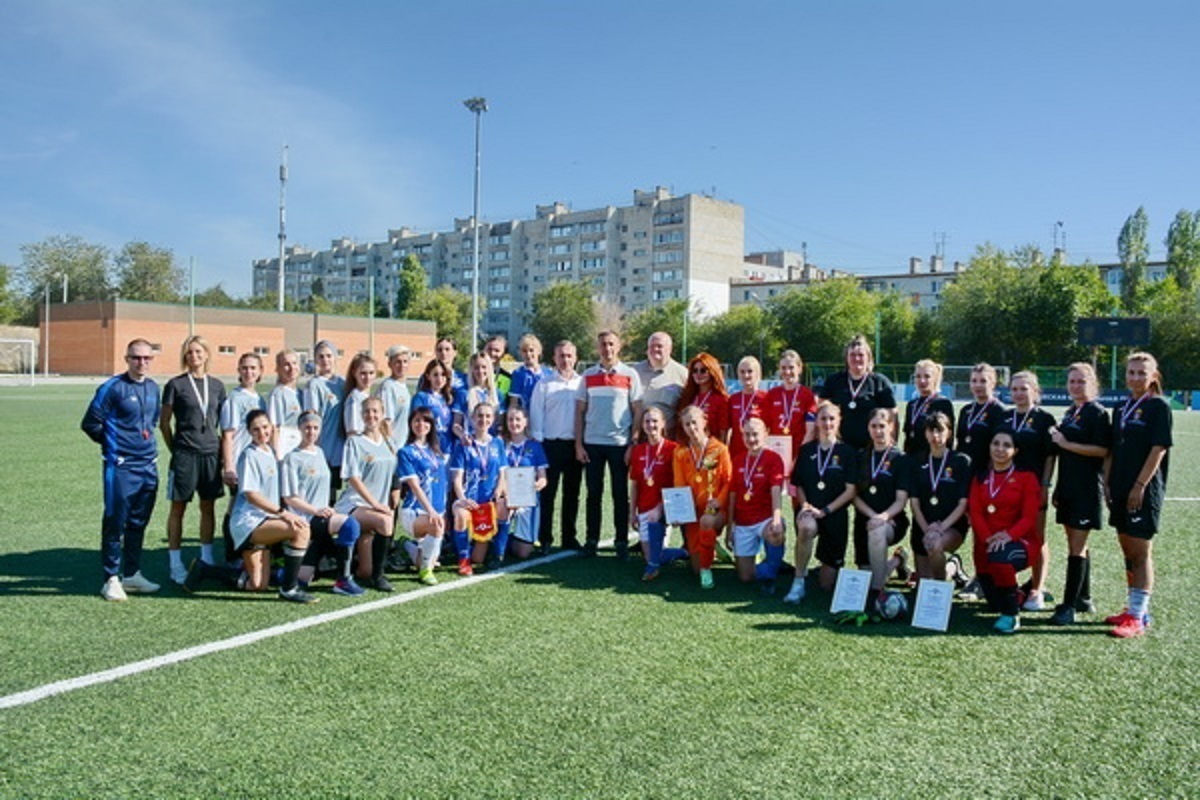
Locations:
{"points": [[922, 286], [658, 248]]}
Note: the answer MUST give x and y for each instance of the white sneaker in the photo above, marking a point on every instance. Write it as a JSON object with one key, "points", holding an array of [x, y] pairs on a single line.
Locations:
{"points": [[796, 594], [178, 573], [1034, 602], [137, 583], [112, 590]]}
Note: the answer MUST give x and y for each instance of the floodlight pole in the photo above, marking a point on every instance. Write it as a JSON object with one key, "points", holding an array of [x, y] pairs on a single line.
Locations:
{"points": [[283, 176], [476, 105]]}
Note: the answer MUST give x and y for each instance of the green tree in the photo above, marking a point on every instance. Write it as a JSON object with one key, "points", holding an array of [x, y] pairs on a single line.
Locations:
{"points": [[144, 272], [14, 309], [85, 265], [1133, 249], [450, 309], [743, 330], [413, 283], [817, 320], [666, 316], [565, 311], [1183, 249], [1175, 333], [897, 326], [216, 297]]}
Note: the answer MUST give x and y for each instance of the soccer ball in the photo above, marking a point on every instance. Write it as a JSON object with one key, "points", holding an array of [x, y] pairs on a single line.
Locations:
{"points": [[891, 605]]}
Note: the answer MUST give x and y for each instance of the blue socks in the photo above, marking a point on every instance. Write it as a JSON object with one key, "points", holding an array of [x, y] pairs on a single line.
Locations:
{"points": [[1139, 603], [656, 534], [349, 532], [462, 544], [500, 540], [769, 568]]}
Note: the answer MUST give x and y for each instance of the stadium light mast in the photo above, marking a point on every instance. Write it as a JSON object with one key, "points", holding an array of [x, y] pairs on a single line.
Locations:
{"points": [[476, 105], [283, 176]]}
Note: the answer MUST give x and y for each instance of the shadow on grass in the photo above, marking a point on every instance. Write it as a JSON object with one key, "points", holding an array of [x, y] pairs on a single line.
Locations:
{"points": [[63, 570]]}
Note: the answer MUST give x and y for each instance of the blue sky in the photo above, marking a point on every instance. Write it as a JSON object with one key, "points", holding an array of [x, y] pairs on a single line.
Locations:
{"points": [[861, 128]]}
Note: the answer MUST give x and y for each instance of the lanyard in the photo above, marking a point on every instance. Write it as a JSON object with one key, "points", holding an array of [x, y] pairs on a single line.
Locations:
{"points": [[651, 463], [973, 418]]}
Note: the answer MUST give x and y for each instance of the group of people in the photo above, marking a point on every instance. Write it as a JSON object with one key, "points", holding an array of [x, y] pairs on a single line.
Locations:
{"points": [[326, 474]]}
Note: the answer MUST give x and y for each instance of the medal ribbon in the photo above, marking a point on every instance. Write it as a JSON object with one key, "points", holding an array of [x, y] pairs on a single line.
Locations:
{"points": [[995, 490], [822, 467], [973, 418], [1127, 410], [934, 480], [650, 463], [875, 470]]}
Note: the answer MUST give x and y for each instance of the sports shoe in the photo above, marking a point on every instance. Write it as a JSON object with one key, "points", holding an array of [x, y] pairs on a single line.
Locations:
{"points": [[426, 577], [959, 576], [1063, 615], [1035, 601], [382, 584], [113, 591], [622, 549], [542, 550], [298, 595], [1116, 619], [1127, 627], [651, 573], [706, 579], [722, 553], [1085, 605], [464, 567], [348, 588], [178, 573], [1007, 624], [903, 572], [137, 583], [795, 594], [588, 550]]}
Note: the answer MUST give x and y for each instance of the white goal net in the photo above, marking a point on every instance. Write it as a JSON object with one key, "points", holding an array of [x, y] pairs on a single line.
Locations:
{"points": [[18, 361]]}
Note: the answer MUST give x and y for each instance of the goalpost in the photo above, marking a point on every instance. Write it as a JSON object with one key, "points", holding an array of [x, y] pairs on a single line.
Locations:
{"points": [[18, 357]]}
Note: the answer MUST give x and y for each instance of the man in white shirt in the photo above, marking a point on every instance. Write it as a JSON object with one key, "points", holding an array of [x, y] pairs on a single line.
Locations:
{"points": [[552, 422]]}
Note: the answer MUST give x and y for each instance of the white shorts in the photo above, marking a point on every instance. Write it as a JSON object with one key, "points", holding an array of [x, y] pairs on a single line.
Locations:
{"points": [[406, 518], [524, 525], [748, 539]]}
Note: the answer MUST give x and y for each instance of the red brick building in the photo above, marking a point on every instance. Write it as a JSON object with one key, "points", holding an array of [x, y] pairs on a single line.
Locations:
{"points": [[89, 337]]}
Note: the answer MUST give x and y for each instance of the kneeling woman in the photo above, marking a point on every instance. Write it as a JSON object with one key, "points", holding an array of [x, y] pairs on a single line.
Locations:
{"points": [[651, 469], [259, 522], [703, 466], [477, 468], [941, 483], [756, 507], [423, 474], [305, 489], [367, 469], [824, 477], [884, 483], [521, 451], [1004, 505]]}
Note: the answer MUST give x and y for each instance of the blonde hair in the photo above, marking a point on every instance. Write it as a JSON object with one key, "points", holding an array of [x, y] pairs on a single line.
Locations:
{"points": [[1031, 378], [935, 370], [857, 342], [188, 342], [1090, 381], [987, 370], [753, 362], [1155, 386]]}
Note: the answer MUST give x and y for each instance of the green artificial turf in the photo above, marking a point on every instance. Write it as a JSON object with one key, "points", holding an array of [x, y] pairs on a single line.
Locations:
{"points": [[569, 679]]}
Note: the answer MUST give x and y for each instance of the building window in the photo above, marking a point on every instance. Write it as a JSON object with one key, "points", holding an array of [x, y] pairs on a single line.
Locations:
{"points": [[502, 238], [662, 275], [637, 253], [591, 227], [592, 263], [499, 255], [499, 272], [668, 237], [559, 231], [639, 234], [562, 266], [593, 247], [668, 257], [561, 249], [668, 218], [226, 349], [498, 302], [262, 351], [666, 294]]}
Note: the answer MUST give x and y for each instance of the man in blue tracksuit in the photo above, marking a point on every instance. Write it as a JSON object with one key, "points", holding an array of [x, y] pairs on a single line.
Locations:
{"points": [[121, 419]]}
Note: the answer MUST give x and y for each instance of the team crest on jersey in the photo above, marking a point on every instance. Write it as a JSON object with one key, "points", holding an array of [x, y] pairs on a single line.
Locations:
{"points": [[311, 472], [369, 459]]}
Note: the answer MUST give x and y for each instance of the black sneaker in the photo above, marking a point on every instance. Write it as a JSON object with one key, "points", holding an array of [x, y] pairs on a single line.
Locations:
{"points": [[382, 584], [1063, 615], [298, 595], [571, 544], [622, 549], [1085, 605], [542, 550], [588, 550]]}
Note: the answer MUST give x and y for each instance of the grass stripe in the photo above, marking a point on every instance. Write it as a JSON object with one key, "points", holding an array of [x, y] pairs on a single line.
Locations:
{"points": [[188, 653]]}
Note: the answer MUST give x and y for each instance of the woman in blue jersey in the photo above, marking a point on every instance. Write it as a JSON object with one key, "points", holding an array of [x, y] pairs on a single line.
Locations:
{"points": [[437, 396], [359, 378], [477, 468], [524, 452], [305, 489], [423, 474], [367, 467], [324, 396], [483, 388], [260, 521]]}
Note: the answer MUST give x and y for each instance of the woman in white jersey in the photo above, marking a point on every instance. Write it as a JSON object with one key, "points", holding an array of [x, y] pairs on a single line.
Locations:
{"points": [[359, 378], [367, 467], [234, 436], [283, 404], [324, 396]]}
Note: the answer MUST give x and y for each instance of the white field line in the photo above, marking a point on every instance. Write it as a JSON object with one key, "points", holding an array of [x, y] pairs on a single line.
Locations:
{"points": [[242, 640], [1183, 499]]}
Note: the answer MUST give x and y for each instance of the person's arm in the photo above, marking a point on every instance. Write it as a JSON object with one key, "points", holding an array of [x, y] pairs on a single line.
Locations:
{"points": [[228, 458], [1149, 468], [164, 425], [537, 430], [841, 501], [97, 411], [356, 483], [580, 416]]}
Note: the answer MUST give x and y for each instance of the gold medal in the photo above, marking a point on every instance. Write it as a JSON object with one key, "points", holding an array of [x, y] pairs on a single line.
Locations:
{"points": [[649, 481], [746, 497], [699, 478], [787, 431], [874, 490], [933, 501], [991, 509], [820, 484]]}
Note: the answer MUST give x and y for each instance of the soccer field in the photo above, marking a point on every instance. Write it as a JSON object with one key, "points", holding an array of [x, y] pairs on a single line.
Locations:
{"points": [[570, 678]]}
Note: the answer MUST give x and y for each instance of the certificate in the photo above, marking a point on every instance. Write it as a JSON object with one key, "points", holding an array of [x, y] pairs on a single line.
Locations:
{"points": [[850, 593], [783, 446], [521, 493], [934, 599], [678, 506]]}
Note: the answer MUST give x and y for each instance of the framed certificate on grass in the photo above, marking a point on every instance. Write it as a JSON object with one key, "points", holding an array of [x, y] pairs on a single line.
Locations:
{"points": [[678, 506], [934, 599], [850, 593], [521, 491]]}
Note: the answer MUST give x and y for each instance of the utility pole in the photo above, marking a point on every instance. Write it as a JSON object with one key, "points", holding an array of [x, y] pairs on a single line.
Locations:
{"points": [[283, 176]]}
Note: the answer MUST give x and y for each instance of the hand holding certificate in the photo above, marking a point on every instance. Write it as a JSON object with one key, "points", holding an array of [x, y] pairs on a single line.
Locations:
{"points": [[521, 487], [678, 506]]}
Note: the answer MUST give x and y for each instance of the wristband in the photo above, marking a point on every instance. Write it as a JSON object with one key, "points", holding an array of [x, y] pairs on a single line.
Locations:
{"points": [[826, 511]]}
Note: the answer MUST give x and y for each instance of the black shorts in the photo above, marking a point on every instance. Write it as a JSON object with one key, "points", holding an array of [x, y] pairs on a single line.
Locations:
{"points": [[1140, 524], [918, 536], [832, 532], [1078, 512], [194, 473], [899, 531]]}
